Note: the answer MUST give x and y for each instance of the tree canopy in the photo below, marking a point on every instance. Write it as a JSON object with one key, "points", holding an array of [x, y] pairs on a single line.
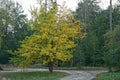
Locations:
{"points": [[53, 39]]}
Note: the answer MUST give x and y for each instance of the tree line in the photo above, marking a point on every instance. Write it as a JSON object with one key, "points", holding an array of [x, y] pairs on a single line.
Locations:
{"points": [[56, 35]]}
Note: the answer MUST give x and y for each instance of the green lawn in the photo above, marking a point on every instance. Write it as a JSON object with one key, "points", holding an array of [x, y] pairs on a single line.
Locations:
{"points": [[108, 76], [32, 76]]}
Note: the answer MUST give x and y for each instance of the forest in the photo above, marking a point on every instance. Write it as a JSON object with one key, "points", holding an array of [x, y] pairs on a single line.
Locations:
{"points": [[57, 36]]}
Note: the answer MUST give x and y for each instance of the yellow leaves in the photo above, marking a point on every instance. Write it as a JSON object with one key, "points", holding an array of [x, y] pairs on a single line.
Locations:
{"points": [[63, 57], [59, 56], [71, 44], [53, 38], [45, 62], [44, 36], [56, 38], [62, 40], [83, 36], [44, 52], [49, 46]]}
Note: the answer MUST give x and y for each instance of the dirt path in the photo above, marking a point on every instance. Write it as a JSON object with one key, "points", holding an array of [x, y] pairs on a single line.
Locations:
{"points": [[81, 75], [74, 75]]}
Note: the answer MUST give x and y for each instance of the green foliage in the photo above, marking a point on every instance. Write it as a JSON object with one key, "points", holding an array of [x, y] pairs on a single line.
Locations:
{"points": [[112, 47], [4, 57], [88, 49], [108, 76], [92, 47], [52, 35], [13, 28]]}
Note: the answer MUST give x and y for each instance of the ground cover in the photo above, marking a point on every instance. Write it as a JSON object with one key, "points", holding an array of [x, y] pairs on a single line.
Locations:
{"points": [[108, 76], [31, 75]]}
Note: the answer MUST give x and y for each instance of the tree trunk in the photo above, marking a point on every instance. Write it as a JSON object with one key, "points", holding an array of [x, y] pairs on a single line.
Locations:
{"points": [[111, 15], [50, 65], [1, 68], [110, 68]]}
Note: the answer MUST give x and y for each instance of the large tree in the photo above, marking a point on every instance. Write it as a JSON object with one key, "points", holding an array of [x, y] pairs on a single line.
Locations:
{"points": [[53, 39]]}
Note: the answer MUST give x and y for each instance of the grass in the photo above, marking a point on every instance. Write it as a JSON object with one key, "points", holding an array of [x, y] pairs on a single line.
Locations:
{"points": [[108, 76], [32, 76]]}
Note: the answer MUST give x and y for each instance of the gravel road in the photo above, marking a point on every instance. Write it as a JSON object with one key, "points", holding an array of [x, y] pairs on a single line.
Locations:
{"points": [[81, 75]]}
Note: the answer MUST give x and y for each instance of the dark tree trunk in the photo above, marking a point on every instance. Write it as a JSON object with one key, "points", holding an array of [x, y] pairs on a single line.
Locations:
{"points": [[50, 65], [110, 68], [1, 68]]}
